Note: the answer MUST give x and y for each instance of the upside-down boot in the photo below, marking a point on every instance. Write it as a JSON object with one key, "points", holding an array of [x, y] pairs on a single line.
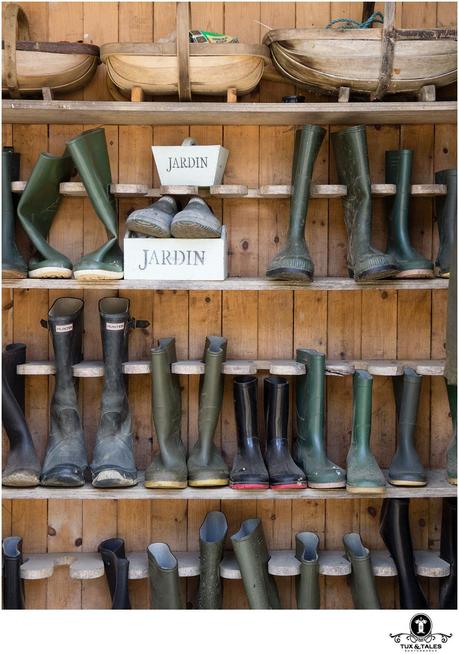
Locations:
{"points": [[13, 585], [448, 552], [451, 453], [116, 567], [13, 264], [362, 580], [196, 220], [154, 220], [212, 535], [307, 582], [164, 577], [446, 213]]}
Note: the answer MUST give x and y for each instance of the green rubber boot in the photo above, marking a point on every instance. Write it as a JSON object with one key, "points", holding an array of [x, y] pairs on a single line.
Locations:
{"points": [[363, 587], [307, 582], [451, 454], [309, 450], [164, 578], [13, 264], [212, 537], [446, 213]]}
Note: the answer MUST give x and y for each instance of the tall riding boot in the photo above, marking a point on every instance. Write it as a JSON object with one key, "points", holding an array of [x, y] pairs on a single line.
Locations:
{"points": [[294, 261], [206, 466], [154, 220], [164, 577], [412, 264], [168, 468], [284, 474], [451, 453], [446, 212], [249, 471], [363, 587], [13, 264], [364, 261], [36, 210], [309, 449], [307, 582], [212, 535], [116, 567], [22, 465], [252, 556], [89, 152], [65, 459], [406, 469], [363, 473], [448, 552], [13, 586], [395, 532]]}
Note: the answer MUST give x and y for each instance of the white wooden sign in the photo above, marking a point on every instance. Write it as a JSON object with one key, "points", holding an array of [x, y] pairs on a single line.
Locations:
{"points": [[190, 164]]}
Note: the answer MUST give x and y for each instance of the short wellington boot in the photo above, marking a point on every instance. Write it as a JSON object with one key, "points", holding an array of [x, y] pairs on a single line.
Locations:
{"points": [[284, 474], [168, 468], [154, 220], [307, 582], [252, 556], [164, 578], [406, 469], [448, 552], [451, 453], [13, 264], [249, 470], [412, 265], [446, 213], [212, 535], [196, 220], [90, 154], [362, 580], [294, 262], [395, 532], [363, 473], [206, 466], [364, 261], [22, 465], [36, 210], [13, 586], [116, 567], [309, 450]]}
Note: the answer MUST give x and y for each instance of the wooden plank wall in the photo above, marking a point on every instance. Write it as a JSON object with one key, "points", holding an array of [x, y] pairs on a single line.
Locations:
{"points": [[371, 324]]}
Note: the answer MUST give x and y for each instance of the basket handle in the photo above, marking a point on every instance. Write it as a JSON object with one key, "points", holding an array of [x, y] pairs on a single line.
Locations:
{"points": [[189, 141], [183, 50], [388, 37], [16, 29]]}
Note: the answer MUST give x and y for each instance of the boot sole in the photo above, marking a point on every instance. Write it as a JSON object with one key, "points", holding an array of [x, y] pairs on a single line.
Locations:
{"points": [[96, 275], [149, 230], [199, 483], [13, 274], [357, 490], [21, 480], [112, 479], [49, 272], [377, 273], [290, 274], [400, 482], [165, 484], [192, 230], [332, 484], [416, 273], [280, 487], [438, 273], [250, 487], [452, 480]]}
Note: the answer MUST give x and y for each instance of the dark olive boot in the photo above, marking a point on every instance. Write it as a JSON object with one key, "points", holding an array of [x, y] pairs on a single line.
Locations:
{"points": [[307, 582], [364, 261], [448, 552], [363, 473], [196, 220], [446, 213], [116, 567], [13, 586], [406, 469], [395, 532], [206, 466], [154, 220], [65, 461], [164, 578], [252, 556], [451, 454], [22, 465], [168, 468], [412, 265], [294, 262], [284, 474], [309, 449], [212, 535], [363, 587], [13, 264], [249, 471]]}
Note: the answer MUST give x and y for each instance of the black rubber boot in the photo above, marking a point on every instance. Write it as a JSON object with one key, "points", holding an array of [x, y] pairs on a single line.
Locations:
{"points": [[164, 578], [451, 453], [212, 535], [13, 264], [307, 582], [13, 586], [362, 580], [448, 552], [446, 213], [116, 567]]}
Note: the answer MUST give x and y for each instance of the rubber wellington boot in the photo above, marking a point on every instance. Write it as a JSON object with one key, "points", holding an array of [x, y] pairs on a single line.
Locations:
{"points": [[249, 471], [309, 449], [406, 469], [168, 468], [307, 582], [36, 210], [364, 261], [363, 587], [13, 264], [154, 220], [363, 473], [89, 152], [284, 474], [448, 552], [446, 212], [196, 220], [294, 262], [116, 567], [395, 532], [451, 453], [22, 465], [206, 466], [252, 556], [164, 578], [212, 535], [65, 459], [13, 586], [412, 265]]}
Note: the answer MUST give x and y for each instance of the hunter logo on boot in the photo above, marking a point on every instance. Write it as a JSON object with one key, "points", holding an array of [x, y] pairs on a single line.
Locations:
{"points": [[60, 329], [115, 326], [420, 636]]}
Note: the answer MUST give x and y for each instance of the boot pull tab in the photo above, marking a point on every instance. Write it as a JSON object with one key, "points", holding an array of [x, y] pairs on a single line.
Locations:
{"points": [[44, 323], [138, 324]]}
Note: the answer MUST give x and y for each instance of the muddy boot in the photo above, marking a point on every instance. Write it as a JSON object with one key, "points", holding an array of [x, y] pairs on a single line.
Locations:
{"points": [[206, 466], [197, 220], [22, 465], [154, 220], [363, 260], [451, 453], [13, 264], [164, 578], [363, 587], [412, 265], [13, 586], [294, 262], [65, 459], [212, 537], [168, 468], [249, 471], [406, 469], [446, 213], [116, 567], [309, 449], [89, 152], [252, 556], [363, 473], [284, 474], [307, 582], [448, 552]]}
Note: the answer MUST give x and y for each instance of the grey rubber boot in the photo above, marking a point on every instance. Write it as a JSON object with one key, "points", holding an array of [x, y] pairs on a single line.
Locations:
{"points": [[154, 220], [196, 220], [363, 587], [307, 582], [212, 535], [164, 578]]}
